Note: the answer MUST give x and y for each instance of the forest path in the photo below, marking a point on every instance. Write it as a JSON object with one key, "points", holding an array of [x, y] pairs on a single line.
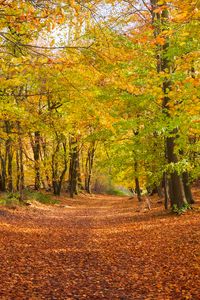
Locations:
{"points": [[98, 248]]}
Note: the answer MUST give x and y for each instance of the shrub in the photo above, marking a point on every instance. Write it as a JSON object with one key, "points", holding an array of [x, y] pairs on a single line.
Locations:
{"points": [[40, 197], [10, 199], [116, 192], [180, 210]]}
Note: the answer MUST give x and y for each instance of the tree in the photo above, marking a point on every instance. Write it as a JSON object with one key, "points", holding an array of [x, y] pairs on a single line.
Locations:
{"points": [[118, 96]]}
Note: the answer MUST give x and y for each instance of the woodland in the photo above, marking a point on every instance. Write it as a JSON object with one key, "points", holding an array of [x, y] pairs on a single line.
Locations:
{"points": [[99, 149], [96, 91]]}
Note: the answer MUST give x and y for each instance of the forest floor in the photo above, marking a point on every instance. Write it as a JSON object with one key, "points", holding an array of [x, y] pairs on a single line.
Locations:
{"points": [[99, 247]]}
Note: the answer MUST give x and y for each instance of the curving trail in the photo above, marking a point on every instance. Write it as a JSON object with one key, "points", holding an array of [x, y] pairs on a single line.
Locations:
{"points": [[98, 248]]}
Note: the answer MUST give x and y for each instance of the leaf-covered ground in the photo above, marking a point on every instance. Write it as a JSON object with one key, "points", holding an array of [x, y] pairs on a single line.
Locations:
{"points": [[98, 248]]}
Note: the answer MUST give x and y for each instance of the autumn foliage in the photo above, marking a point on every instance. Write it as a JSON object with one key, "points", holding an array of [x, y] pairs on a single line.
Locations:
{"points": [[100, 88], [99, 98]]}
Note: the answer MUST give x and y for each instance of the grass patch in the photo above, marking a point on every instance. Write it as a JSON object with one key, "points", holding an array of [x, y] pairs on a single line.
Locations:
{"points": [[13, 199], [181, 210], [40, 197], [116, 192], [10, 199]]}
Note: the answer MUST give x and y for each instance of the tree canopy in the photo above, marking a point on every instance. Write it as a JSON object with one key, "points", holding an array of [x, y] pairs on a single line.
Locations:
{"points": [[93, 89]]}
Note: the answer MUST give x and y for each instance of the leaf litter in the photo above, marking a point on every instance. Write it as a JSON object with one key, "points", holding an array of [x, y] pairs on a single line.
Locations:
{"points": [[99, 247]]}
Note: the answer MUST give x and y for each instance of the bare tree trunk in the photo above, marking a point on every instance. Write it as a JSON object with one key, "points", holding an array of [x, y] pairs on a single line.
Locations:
{"points": [[89, 167], [137, 184], [64, 167], [37, 159], [73, 169], [17, 170], [21, 166], [177, 194], [159, 189], [43, 155], [79, 179], [55, 170], [9, 157], [187, 188], [166, 190], [3, 172]]}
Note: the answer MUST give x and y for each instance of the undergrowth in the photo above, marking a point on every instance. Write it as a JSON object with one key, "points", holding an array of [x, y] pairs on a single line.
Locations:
{"points": [[116, 192], [180, 210], [13, 199], [10, 199], [40, 197]]}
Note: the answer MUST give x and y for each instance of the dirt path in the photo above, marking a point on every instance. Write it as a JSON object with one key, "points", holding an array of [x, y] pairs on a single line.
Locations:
{"points": [[98, 249]]}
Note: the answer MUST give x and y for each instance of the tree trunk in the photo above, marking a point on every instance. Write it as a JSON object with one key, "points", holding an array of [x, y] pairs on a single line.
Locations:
{"points": [[9, 158], [3, 172], [21, 166], [160, 22], [55, 184], [177, 194], [166, 190], [58, 176], [73, 169], [137, 184], [159, 190], [9, 166], [79, 179], [43, 156], [137, 189], [36, 151], [187, 188], [62, 176], [17, 170], [89, 167]]}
